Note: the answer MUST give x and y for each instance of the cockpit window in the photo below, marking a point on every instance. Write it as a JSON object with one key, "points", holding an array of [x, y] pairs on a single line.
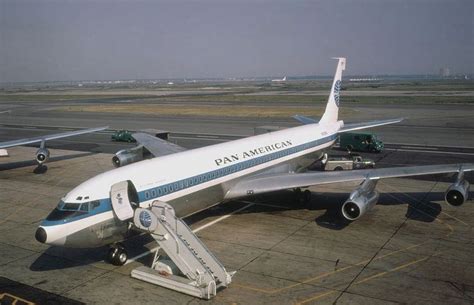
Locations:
{"points": [[69, 206], [95, 204], [66, 210], [84, 207], [60, 204]]}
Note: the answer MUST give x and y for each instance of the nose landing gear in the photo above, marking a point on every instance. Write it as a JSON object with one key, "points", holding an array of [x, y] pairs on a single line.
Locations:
{"points": [[117, 255]]}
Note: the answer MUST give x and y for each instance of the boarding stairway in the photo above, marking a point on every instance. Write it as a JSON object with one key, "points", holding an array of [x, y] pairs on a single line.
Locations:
{"points": [[200, 272]]}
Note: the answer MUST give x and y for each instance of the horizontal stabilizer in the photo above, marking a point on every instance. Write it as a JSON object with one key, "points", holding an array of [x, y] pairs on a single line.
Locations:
{"points": [[276, 182], [304, 119], [364, 125]]}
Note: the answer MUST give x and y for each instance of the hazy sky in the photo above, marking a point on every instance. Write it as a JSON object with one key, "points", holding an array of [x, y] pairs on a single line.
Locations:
{"points": [[77, 40]]}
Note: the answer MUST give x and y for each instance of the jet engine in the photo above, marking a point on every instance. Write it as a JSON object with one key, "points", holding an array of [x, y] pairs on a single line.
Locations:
{"points": [[458, 192], [128, 156], [361, 200], [42, 155]]}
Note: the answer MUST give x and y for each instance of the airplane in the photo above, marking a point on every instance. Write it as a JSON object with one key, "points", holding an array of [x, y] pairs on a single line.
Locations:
{"points": [[154, 194], [42, 154], [279, 80]]}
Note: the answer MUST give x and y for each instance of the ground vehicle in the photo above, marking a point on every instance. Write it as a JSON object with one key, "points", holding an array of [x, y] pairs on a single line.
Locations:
{"points": [[366, 142], [123, 136], [126, 135], [343, 163]]}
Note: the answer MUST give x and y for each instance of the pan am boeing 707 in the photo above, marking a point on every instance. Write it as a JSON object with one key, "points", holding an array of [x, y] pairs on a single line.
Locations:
{"points": [[153, 195]]}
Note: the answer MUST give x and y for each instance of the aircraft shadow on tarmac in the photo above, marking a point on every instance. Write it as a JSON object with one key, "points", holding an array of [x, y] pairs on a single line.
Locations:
{"points": [[41, 169], [420, 207]]}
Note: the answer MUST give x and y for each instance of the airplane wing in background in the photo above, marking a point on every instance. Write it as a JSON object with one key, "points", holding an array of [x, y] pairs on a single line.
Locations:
{"points": [[276, 182], [304, 119], [364, 125], [156, 146], [49, 137]]}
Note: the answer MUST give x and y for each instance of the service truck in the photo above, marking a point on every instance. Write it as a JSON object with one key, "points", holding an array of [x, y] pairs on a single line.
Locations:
{"points": [[126, 135], [346, 163], [366, 142]]}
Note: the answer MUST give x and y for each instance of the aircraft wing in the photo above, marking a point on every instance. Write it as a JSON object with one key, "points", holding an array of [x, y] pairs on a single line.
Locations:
{"points": [[357, 126], [49, 137], [275, 182], [157, 146]]}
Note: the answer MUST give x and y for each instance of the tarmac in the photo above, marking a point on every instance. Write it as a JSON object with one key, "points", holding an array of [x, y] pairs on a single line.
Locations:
{"points": [[411, 248]]}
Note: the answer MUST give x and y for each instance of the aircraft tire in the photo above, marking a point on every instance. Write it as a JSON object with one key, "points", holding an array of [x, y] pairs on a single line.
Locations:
{"points": [[117, 255]]}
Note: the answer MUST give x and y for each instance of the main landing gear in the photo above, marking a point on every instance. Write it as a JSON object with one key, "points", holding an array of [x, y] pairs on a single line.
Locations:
{"points": [[302, 196], [117, 254]]}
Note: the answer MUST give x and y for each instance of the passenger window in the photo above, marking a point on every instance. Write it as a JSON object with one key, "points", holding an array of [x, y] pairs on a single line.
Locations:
{"points": [[147, 195]]}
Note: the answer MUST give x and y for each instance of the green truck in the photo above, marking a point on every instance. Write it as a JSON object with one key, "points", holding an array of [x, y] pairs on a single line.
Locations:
{"points": [[127, 136], [366, 142], [123, 136]]}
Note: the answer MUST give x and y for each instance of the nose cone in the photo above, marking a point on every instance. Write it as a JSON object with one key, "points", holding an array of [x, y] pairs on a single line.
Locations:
{"points": [[40, 235]]}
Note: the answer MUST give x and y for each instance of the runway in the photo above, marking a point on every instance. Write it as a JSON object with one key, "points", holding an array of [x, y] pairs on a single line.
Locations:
{"points": [[411, 248]]}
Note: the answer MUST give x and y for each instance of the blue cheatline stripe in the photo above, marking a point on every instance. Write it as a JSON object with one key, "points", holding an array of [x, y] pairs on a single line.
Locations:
{"points": [[166, 189], [180, 185]]}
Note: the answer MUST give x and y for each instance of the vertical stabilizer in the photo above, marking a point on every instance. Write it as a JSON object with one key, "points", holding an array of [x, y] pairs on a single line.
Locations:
{"points": [[332, 107]]}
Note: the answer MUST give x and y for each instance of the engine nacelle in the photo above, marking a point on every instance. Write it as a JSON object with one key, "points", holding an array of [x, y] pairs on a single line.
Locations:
{"points": [[457, 193], [42, 155], [361, 200], [128, 156]]}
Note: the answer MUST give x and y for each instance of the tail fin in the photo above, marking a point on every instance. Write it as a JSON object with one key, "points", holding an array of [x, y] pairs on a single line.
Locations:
{"points": [[284, 79], [332, 107]]}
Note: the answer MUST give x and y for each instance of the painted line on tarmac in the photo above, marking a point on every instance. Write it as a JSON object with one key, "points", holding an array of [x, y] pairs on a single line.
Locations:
{"points": [[207, 136], [424, 145], [194, 231], [431, 151], [427, 148], [332, 291]]}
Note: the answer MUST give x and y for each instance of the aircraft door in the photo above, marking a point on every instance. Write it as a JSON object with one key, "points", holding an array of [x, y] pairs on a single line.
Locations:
{"points": [[124, 198]]}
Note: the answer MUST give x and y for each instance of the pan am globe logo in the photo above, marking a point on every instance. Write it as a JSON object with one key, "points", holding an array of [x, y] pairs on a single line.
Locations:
{"points": [[145, 219], [337, 89]]}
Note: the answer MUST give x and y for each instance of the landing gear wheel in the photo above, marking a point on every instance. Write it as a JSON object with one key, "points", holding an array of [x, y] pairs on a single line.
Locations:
{"points": [[117, 255], [306, 198], [303, 196]]}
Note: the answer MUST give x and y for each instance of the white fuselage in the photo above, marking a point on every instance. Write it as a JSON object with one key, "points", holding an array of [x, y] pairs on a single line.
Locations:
{"points": [[190, 181]]}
